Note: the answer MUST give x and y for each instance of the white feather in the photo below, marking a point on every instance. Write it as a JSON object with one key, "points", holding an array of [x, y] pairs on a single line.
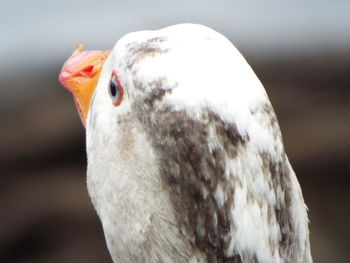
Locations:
{"points": [[203, 70]]}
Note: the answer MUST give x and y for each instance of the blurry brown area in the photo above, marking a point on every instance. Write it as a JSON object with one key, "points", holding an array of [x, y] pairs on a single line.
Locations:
{"points": [[46, 215]]}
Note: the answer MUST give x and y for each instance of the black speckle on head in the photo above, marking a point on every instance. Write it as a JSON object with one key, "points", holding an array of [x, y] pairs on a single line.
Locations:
{"points": [[229, 136], [193, 155], [156, 94], [281, 212], [265, 114], [157, 89], [150, 48], [193, 171]]}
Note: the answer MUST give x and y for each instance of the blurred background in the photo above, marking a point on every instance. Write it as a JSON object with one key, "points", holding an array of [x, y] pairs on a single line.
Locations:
{"points": [[299, 49]]}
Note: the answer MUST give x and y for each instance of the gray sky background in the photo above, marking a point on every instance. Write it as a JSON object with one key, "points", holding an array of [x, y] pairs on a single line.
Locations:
{"points": [[37, 33]]}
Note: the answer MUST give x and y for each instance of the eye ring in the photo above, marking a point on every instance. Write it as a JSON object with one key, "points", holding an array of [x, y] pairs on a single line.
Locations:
{"points": [[115, 89]]}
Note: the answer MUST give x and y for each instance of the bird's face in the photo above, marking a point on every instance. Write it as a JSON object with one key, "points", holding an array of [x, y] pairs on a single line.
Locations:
{"points": [[186, 70]]}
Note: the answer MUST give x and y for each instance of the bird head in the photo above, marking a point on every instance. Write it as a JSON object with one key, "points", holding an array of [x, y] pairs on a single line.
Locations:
{"points": [[179, 129], [186, 67], [182, 68], [80, 74]]}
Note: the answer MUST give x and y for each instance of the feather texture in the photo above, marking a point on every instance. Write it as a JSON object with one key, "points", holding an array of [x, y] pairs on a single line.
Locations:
{"points": [[191, 166]]}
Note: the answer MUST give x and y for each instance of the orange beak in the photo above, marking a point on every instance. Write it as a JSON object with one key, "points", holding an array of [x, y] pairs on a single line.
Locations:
{"points": [[80, 74]]}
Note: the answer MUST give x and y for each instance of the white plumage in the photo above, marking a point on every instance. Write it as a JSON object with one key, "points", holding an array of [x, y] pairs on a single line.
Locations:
{"points": [[191, 167]]}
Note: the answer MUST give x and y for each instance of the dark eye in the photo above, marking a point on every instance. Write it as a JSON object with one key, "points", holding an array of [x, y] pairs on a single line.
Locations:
{"points": [[116, 91]]}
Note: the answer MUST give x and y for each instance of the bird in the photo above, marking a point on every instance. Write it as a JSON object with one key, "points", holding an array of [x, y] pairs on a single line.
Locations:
{"points": [[185, 157]]}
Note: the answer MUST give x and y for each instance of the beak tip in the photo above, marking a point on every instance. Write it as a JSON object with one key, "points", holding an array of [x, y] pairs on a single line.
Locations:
{"points": [[63, 77]]}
